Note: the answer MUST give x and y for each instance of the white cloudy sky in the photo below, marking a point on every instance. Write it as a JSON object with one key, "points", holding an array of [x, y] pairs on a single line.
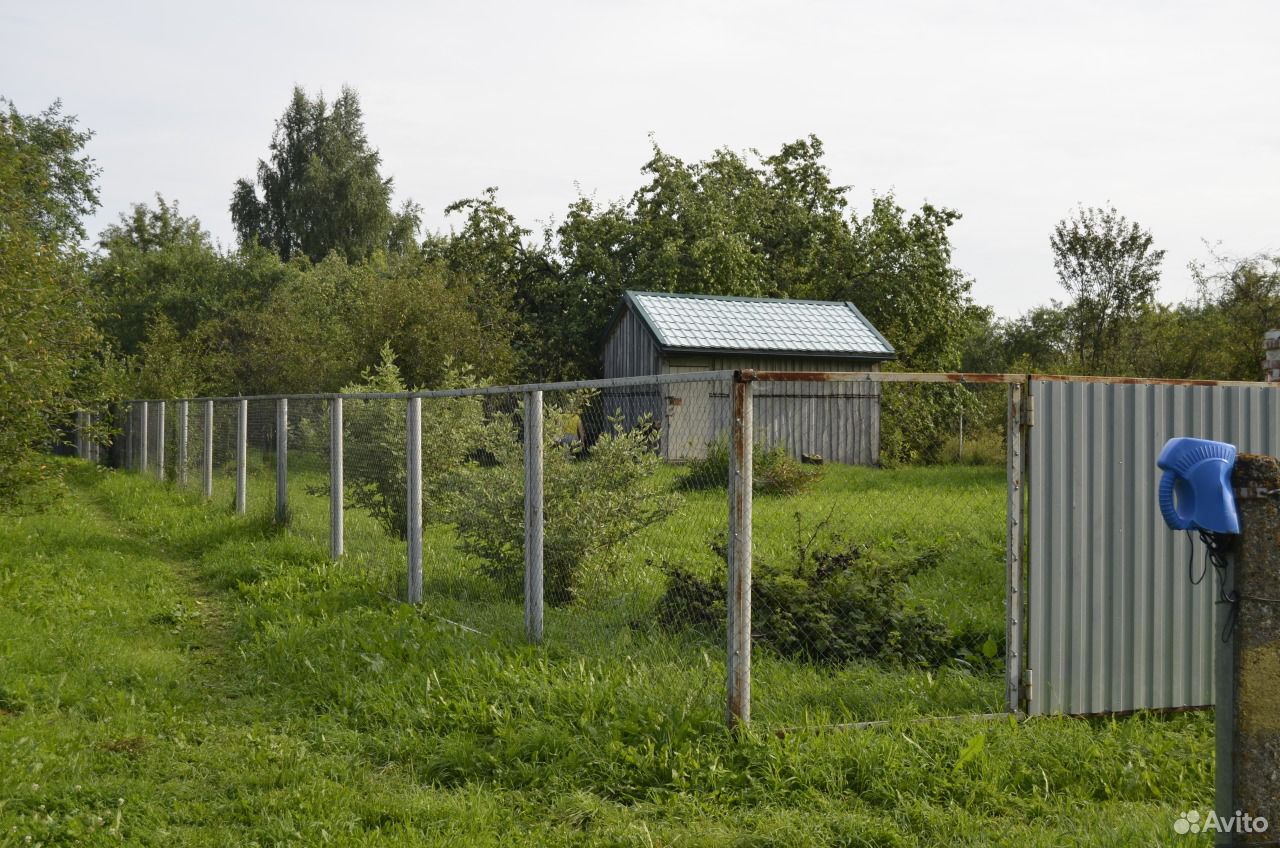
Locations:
{"points": [[1011, 112]]}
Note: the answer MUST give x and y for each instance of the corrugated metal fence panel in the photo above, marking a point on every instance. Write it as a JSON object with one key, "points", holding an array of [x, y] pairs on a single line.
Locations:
{"points": [[1114, 622]]}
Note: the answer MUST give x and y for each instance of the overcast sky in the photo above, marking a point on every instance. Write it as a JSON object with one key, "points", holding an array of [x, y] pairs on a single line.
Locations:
{"points": [[1011, 113]]}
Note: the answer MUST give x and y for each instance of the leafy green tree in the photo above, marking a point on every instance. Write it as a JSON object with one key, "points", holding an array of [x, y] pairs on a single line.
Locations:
{"points": [[504, 272], [425, 313], [154, 261], [329, 322], [1110, 268], [321, 190], [49, 348], [49, 183], [773, 227], [1245, 292]]}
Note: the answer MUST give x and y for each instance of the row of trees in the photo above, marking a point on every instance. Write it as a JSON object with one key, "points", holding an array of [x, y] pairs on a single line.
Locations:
{"points": [[1112, 324], [326, 274]]}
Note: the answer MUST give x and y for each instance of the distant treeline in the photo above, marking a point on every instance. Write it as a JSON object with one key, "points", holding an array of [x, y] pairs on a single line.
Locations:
{"points": [[326, 274]]}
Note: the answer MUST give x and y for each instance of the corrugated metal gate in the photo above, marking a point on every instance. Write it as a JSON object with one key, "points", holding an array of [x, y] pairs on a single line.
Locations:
{"points": [[1113, 620]]}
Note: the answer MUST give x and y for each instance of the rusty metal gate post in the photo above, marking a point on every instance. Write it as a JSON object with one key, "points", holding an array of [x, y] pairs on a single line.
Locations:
{"points": [[738, 706]]}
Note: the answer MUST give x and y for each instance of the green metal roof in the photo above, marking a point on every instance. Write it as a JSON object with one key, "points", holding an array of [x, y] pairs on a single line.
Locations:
{"points": [[700, 322]]}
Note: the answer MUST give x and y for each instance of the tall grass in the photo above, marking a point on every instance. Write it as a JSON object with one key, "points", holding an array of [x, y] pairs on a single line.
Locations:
{"points": [[177, 675]]}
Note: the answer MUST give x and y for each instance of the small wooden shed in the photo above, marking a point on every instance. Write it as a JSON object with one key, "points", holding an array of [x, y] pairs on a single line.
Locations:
{"points": [[657, 333]]}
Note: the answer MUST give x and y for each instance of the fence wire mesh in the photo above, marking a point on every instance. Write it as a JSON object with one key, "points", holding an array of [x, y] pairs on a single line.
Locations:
{"points": [[878, 526], [878, 535]]}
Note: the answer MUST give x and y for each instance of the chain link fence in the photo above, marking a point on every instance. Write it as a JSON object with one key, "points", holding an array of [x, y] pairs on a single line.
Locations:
{"points": [[602, 519]]}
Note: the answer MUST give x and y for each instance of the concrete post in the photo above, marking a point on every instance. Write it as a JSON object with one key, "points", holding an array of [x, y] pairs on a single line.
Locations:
{"points": [[533, 517], [738, 706], [242, 454], [282, 461], [336, 484], [413, 503], [207, 460], [1252, 718]]}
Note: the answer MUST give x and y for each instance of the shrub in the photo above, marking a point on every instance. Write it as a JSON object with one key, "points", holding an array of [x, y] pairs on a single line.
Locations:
{"points": [[773, 470], [376, 477], [591, 502], [834, 606]]}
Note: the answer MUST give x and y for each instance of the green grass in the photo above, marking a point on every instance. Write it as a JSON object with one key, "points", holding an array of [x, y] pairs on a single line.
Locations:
{"points": [[172, 674]]}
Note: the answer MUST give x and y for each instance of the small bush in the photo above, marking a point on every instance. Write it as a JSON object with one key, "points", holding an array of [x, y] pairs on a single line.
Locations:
{"points": [[773, 470], [591, 502], [836, 605], [376, 477]]}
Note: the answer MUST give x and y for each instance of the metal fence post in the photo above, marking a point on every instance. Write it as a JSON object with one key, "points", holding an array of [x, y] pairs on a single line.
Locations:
{"points": [[413, 504], [336, 487], [207, 459], [242, 454], [282, 460], [180, 471], [127, 418], [533, 516], [1013, 597], [81, 452], [738, 707], [160, 441], [142, 437]]}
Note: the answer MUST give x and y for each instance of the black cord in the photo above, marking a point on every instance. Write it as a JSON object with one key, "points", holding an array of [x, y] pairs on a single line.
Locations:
{"points": [[1219, 546], [1191, 563]]}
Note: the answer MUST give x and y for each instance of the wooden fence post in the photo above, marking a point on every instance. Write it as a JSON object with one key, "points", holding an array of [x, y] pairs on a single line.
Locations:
{"points": [[738, 707], [533, 517], [336, 485], [413, 503], [242, 454]]}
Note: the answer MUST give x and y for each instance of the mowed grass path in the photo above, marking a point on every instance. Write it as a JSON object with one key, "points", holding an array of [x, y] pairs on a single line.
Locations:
{"points": [[171, 674]]}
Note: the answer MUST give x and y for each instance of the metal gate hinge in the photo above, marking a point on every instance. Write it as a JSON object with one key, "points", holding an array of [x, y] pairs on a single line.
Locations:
{"points": [[1028, 411], [1026, 685]]}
